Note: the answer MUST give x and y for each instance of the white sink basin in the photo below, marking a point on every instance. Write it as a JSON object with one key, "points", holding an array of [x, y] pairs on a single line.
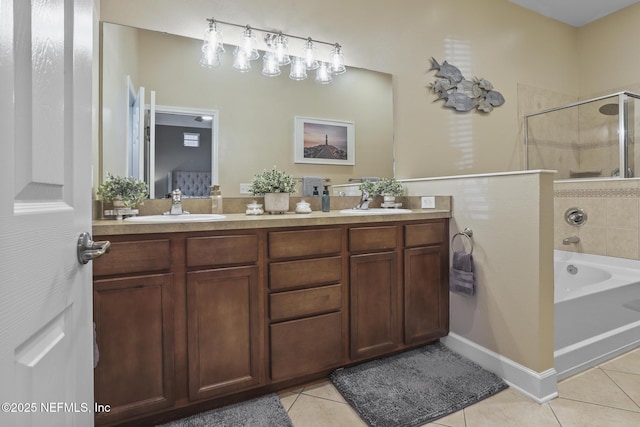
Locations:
{"points": [[375, 211], [176, 218]]}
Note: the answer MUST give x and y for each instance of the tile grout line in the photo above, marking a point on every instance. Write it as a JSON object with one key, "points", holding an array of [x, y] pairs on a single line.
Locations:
{"points": [[554, 413], [292, 403], [604, 371], [325, 398], [601, 405]]}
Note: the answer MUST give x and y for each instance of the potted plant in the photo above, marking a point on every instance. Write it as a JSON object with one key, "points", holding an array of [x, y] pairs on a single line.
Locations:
{"points": [[369, 187], [275, 186], [389, 187], [123, 192]]}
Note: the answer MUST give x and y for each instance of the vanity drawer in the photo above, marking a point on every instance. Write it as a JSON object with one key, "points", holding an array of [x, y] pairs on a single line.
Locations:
{"points": [[222, 250], [306, 346], [372, 238], [295, 274], [134, 257], [424, 234], [290, 244], [305, 302]]}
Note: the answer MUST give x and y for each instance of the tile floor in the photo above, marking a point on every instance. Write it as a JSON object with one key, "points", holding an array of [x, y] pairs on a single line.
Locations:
{"points": [[605, 396]]}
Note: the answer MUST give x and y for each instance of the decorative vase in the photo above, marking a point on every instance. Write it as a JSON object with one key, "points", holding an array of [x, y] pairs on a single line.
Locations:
{"points": [[118, 203], [276, 203], [389, 199]]}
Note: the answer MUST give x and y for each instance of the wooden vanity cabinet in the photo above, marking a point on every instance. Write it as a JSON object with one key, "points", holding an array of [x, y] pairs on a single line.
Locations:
{"points": [[426, 282], [374, 289], [196, 319], [305, 301], [224, 320], [133, 311], [399, 286]]}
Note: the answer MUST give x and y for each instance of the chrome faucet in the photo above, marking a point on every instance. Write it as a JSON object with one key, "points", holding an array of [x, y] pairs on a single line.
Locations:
{"points": [[364, 200], [176, 203], [570, 240]]}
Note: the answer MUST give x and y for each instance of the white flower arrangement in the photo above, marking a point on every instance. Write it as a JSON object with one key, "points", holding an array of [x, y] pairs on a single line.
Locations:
{"points": [[272, 181]]}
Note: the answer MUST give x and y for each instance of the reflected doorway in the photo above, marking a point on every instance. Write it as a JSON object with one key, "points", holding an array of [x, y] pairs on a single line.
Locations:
{"points": [[182, 151]]}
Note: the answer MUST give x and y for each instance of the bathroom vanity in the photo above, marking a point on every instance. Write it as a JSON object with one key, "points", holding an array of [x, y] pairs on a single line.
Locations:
{"points": [[190, 316]]}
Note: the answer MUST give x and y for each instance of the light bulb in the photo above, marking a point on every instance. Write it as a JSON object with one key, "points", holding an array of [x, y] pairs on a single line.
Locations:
{"points": [[282, 50], [323, 75], [310, 56], [270, 66], [337, 60], [210, 58], [248, 45], [240, 61], [298, 69]]}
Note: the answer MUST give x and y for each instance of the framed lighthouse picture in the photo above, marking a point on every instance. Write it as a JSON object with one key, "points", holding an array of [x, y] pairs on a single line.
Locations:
{"points": [[320, 141]]}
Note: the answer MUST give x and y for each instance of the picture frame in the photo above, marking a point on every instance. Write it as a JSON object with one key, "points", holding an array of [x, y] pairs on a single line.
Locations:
{"points": [[327, 142]]}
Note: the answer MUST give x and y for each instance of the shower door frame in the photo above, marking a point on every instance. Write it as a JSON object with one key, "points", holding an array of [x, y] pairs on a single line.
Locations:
{"points": [[623, 97]]}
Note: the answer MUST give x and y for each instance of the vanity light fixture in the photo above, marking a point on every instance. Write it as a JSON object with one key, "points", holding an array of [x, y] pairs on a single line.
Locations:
{"points": [[276, 53], [212, 46]]}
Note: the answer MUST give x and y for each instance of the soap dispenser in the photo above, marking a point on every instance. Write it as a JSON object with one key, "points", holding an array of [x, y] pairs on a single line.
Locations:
{"points": [[326, 207], [315, 191], [216, 199]]}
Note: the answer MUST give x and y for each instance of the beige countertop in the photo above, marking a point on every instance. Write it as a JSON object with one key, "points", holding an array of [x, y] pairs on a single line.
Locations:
{"points": [[238, 221]]}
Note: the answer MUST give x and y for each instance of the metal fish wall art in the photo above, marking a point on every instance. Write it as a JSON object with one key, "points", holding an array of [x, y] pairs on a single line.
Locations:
{"points": [[461, 94]]}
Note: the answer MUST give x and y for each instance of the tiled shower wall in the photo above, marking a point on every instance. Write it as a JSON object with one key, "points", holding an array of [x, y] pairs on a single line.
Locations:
{"points": [[613, 222]]}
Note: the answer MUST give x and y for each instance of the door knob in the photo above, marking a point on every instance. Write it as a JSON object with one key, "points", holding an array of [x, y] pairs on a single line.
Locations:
{"points": [[88, 249]]}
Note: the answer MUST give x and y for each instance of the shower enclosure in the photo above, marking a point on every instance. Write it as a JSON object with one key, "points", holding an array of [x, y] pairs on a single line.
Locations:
{"points": [[594, 138]]}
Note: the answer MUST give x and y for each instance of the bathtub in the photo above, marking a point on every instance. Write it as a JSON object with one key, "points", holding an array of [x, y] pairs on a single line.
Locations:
{"points": [[597, 309]]}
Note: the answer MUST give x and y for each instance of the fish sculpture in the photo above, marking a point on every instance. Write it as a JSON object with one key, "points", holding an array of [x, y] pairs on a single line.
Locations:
{"points": [[446, 70], [460, 102], [461, 94]]}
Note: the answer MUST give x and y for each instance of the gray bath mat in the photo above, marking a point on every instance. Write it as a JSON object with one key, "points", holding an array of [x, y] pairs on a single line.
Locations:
{"points": [[415, 387], [264, 411]]}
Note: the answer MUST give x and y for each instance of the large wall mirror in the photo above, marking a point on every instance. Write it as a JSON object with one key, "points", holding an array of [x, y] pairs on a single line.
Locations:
{"points": [[244, 121]]}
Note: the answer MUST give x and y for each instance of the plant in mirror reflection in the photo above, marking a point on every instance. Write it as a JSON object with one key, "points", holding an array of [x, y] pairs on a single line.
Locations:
{"points": [[383, 187], [272, 181], [131, 191]]}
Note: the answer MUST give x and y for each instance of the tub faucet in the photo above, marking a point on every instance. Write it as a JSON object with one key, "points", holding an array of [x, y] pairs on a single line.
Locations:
{"points": [[364, 200], [176, 203], [570, 240]]}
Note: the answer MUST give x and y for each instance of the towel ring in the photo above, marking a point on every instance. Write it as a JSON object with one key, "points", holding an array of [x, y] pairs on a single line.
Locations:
{"points": [[468, 233]]}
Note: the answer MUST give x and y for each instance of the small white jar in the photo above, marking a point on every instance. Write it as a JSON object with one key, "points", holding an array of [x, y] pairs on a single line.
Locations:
{"points": [[254, 208], [303, 207]]}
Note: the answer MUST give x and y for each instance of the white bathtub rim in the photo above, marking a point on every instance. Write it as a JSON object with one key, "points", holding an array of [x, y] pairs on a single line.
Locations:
{"points": [[623, 272], [571, 256]]}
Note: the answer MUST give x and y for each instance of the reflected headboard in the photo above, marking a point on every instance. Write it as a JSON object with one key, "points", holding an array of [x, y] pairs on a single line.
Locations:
{"points": [[192, 184]]}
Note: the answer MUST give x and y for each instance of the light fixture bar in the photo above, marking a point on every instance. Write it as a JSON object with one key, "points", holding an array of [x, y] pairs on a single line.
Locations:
{"points": [[262, 30]]}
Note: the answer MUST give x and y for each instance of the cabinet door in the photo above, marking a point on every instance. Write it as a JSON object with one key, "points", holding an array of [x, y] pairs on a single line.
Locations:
{"points": [[305, 346], [223, 318], [373, 291], [134, 332], [426, 307]]}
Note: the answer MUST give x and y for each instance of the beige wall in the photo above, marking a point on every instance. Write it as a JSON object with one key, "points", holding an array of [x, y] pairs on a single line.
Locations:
{"points": [[511, 218], [608, 60], [494, 39]]}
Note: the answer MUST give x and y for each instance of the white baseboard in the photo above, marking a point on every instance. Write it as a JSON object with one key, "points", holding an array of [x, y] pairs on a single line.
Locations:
{"points": [[539, 386]]}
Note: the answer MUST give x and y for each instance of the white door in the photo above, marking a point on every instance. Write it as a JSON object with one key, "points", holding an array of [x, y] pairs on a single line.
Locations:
{"points": [[46, 341], [136, 148], [151, 145]]}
